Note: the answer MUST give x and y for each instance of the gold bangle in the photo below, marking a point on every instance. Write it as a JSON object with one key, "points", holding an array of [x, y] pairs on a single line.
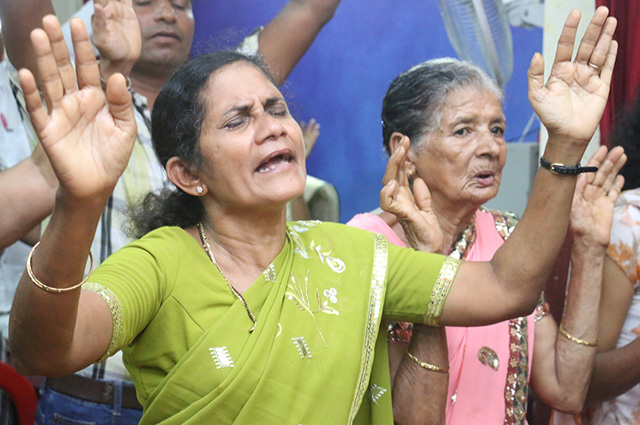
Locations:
{"points": [[48, 288], [572, 338], [427, 366]]}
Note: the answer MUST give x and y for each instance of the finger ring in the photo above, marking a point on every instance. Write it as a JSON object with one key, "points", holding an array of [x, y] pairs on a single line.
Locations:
{"points": [[596, 68]]}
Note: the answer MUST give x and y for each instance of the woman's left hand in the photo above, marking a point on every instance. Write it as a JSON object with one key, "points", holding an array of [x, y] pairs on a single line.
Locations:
{"points": [[592, 208], [412, 208], [572, 101]]}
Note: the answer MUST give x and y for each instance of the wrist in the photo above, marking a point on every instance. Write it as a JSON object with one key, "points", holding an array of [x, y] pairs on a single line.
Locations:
{"points": [[585, 249], [72, 205], [109, 67], [564, 150]]}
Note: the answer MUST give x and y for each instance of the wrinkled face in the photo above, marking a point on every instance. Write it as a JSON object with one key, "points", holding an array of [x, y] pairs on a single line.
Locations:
{"points": [[252, 148], [167, 32], [462, 160]]}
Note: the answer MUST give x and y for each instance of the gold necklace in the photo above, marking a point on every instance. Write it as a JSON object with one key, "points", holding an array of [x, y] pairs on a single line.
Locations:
{"points": [[207, 249]]}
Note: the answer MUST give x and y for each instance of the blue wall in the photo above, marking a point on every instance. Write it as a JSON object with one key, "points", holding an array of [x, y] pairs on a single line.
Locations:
{"points": [[343, 78]]}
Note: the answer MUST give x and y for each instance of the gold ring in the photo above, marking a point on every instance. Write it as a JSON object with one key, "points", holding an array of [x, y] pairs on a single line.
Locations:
{"points": [[596, 68]]}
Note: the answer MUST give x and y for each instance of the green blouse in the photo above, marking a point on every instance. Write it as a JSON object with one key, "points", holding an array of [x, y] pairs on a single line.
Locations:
{"points": [[185, 336]]}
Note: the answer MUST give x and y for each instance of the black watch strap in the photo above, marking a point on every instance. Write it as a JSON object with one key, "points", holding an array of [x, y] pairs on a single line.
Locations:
{"points": [[557, 168]]}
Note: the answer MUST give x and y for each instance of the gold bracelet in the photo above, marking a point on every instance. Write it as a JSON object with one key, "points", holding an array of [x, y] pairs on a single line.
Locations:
{"points": [[427, 366], [48, 288], [572, 338]]}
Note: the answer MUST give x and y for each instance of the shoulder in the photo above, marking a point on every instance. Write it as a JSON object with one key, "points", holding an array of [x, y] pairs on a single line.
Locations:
{"points": [[505, 221], [624, 246], [166, 243]]}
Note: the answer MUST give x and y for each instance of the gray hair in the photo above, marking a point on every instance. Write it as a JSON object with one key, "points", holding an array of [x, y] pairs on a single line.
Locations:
{"points": [[412, 105]]}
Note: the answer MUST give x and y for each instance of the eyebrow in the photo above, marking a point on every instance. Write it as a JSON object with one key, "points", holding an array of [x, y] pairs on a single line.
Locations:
{"points": [[469, 119], [244, 108]]}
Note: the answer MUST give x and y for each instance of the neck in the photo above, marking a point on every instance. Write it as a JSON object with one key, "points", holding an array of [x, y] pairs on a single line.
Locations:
{"points": [[244, 245], [453, 221], [148, 84]]}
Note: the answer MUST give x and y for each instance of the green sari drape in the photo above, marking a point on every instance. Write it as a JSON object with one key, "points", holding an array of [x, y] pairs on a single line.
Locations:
{"points": [[318, 309]]}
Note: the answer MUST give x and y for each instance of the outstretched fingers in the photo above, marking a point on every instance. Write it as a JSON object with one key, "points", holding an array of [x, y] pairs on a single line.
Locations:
{"points": [[607, 178], [615, 189], [421, 194], [121, 104], [395, 179], [86, 64], [35, 107], [594, 36], [396, 161], [50, 81], [607, 70], [60, 52], [567, 39]]}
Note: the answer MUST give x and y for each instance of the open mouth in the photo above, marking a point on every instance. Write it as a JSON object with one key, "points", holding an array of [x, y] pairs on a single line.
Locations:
{"points": [[275, 162], [485, 178]]}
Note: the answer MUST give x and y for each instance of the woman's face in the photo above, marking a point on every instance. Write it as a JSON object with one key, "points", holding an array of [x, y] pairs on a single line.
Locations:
{"points": [[253, 154], [461, 161]]}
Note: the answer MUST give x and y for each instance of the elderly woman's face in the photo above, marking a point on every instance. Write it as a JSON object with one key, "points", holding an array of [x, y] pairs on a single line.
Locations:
{"points": [[252, 148], [462, 160]]}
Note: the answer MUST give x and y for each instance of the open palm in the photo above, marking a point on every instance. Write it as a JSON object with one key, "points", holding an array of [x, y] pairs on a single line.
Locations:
{"points": [[595, 195], [116, 32], [573, 99], [88, 135]]}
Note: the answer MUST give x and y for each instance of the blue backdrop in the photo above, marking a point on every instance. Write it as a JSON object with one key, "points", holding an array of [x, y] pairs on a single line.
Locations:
{"points": [[342, 79]]}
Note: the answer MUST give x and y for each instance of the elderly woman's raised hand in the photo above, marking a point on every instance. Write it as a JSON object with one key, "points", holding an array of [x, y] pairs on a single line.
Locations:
{"points": [[411, 207], [572, 101], [592, 208], [116, 35], [87, 134]]}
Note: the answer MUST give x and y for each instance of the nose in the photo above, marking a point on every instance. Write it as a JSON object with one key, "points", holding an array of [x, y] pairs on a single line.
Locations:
{"points": [[165, 11], [269, 128], [490, 144]]}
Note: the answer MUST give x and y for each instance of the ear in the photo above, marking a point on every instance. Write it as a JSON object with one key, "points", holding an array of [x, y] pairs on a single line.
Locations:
{"points": [[181, 175], [394, 141]]}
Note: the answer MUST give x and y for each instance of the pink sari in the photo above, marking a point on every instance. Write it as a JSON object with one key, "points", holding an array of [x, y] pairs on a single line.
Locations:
{"points": [[489, 365]]}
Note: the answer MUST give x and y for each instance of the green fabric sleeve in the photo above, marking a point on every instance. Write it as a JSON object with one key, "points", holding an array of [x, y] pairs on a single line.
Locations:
{"points": [[134, 282], [418, 285]]}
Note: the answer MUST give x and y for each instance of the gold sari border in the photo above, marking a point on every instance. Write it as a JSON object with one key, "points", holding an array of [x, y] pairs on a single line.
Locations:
{"points": [[441, 290], [376, 298], [116, 315]]}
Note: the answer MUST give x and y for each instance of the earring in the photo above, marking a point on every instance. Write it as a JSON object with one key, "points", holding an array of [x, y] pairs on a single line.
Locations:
{"points": [[199, 190]]}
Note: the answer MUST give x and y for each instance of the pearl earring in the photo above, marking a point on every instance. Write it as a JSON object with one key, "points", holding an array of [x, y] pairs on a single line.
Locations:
{"points": [[199, 189]]}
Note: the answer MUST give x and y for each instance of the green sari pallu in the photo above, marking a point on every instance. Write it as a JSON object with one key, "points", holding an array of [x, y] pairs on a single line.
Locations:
{"points": [[309, 360]]}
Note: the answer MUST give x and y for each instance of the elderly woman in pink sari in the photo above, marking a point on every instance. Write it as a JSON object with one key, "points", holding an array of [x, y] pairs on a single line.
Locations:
{"points": [[450, 114]]}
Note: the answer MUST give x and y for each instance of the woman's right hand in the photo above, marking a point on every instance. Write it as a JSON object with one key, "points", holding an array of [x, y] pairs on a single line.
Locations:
{"points": [[87, 134], [116, 35], [411, 206]]}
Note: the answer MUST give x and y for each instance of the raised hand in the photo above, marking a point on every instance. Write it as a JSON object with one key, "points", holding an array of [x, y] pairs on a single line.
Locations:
{"points": [[116, 35], [592, 208], [87, 134], [412, 208], [310, 134], [572, 101]]}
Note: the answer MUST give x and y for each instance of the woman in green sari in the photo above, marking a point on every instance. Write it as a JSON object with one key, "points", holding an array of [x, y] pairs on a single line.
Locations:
{"points": [[225, 312]]}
